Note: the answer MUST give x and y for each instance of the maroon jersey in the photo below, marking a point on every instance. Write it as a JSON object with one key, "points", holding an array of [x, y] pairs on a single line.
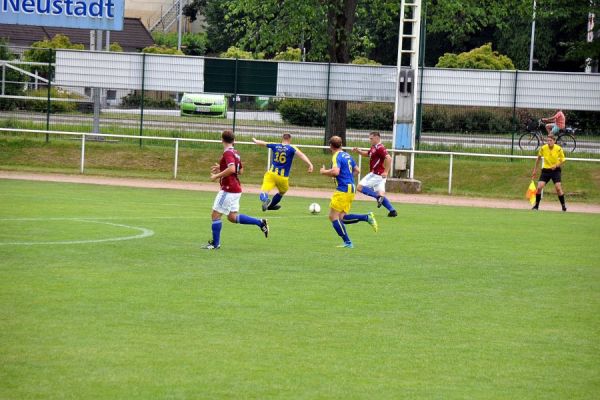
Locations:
{"points": [[231, 183], [377, 154]]}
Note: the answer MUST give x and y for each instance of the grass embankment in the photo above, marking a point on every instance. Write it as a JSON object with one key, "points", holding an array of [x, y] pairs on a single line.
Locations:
{"points": [[471, 177]]}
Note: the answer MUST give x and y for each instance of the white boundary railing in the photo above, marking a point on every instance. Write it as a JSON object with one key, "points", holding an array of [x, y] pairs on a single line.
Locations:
{"points": [[84, 135]]}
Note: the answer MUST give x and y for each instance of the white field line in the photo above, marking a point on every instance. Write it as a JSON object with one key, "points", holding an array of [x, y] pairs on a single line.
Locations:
{"points": [[144, 232]]}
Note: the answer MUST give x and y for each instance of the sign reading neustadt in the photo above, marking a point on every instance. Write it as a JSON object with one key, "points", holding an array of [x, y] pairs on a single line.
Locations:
{"points": [[84, 14]]}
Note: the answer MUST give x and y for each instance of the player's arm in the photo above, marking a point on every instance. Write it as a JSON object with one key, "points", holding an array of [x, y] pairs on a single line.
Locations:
{"points": [[304, 158], [364, 153], [226, 172], [332, 172], [259, 142], [387, 165]]}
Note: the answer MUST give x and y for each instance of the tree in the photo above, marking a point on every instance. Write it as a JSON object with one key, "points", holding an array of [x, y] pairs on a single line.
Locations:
{"points": [[41, 51], [234, 52], [480, 58], [289, 54], [270, 26], [192, 44], [561, 26]]}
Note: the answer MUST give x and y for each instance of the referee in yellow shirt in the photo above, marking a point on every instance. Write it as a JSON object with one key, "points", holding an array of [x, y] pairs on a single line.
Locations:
{"points": [[554, 158]]}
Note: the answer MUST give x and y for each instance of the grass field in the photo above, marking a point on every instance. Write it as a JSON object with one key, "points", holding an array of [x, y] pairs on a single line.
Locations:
{"points": [[104, 294]]}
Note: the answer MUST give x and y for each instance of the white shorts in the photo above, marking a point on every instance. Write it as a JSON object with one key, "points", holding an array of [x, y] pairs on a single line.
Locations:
{"points": [[226, 202], [373, 181]]}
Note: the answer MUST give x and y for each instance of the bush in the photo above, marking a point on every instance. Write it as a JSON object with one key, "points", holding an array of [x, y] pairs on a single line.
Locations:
{"points": [[162, 50], [55, 105], [373, 116], [480, 58], [303, 112], [134, 100], [438, 118]]}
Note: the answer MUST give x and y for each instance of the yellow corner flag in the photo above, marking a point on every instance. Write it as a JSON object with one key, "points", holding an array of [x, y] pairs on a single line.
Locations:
{"points": [[531, 192]]}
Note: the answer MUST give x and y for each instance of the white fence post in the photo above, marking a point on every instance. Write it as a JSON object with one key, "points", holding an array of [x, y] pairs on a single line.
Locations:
{"points": [[176, 158], [82, 153], [450, 174], [359, 166]]}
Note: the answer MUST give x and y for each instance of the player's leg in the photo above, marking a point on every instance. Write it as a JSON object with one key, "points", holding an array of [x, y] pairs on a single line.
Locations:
{"points": [[336, 214], [365, 186], [382, 200], [538, 193], [283, 186], [243, 219], [267, 185], [559, 190], [219, 208]]}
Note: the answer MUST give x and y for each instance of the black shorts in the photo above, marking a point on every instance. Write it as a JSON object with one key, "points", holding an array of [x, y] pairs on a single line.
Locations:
{"points": [[548, 174]]}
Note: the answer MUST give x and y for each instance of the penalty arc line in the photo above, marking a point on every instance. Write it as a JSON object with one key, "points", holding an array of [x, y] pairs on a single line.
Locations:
{"points": [[144, 233]]}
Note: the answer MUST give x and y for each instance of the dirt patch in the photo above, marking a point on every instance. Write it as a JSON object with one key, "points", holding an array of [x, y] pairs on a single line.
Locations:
{"points": [[548, 205]]}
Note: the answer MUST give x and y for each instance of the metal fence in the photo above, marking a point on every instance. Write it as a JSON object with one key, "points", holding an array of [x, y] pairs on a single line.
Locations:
{"points": [[176, 143], [141, 95]]}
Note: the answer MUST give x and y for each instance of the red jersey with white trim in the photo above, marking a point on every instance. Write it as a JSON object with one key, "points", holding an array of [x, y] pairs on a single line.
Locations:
{"points": [[377, 154], [231, 183]]}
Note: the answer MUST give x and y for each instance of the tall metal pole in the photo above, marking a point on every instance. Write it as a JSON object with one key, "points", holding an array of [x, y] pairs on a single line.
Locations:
{"points": [[532, 42], [179, 24], [590, 37]]}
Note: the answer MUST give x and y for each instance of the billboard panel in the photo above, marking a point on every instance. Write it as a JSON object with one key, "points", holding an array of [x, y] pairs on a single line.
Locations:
{"points": [[83, 14]]}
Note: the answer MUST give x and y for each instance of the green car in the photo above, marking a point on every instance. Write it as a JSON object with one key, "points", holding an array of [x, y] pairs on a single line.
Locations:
{"points": [[210, 105]]}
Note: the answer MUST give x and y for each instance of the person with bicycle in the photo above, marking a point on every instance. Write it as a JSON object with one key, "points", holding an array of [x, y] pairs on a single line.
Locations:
{"points": [[553, 159], [555, 123]]}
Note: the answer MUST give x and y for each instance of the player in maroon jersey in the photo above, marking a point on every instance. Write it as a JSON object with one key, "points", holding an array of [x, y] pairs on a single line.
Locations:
{"points": [[227, 201], [373, 184]]}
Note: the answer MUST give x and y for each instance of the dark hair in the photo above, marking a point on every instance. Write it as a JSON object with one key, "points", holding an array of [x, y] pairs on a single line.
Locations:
{"points": [[551, 135], [287, 136], [335, 142], [375, 134], [228, 136]]}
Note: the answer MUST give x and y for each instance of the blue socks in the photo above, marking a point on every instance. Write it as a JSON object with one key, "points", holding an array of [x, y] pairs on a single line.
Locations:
{"points": [[354, 218], [246, 220], [216, 232], [369, 192], [263, 196], [386, 203], [341, 230], [276, 199]]}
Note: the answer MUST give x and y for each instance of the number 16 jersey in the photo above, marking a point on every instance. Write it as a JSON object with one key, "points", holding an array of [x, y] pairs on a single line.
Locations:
{"points": [[282, 157]]}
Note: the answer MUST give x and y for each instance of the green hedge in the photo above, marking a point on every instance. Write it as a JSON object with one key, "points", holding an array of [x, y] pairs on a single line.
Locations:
{"points": [[134, 100], [56, 106], [366, 116]]}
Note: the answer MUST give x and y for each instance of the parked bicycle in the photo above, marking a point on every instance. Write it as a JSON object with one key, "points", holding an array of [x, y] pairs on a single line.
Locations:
{"points": [[534, 137]]}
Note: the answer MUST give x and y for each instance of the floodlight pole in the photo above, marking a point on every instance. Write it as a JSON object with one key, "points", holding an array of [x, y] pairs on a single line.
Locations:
{"points": [[179, 25], [532, 42]]}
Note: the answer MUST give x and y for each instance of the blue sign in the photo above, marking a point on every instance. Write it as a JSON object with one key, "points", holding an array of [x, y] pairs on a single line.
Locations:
{"points": [[84, 14]]}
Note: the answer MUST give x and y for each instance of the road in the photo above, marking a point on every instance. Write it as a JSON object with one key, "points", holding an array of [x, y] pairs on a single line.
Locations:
{"points": [[243, 129]]}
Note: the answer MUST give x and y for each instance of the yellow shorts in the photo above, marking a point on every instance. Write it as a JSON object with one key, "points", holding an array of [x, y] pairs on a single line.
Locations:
{"points": [[272, 180], [341, 201]]}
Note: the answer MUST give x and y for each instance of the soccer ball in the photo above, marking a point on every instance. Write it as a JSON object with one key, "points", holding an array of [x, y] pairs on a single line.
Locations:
{"points": [[314, 208]]}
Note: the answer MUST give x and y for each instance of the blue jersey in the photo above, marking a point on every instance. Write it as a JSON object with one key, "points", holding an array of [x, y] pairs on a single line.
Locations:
{"points": [[346, 164], [281, 161]]}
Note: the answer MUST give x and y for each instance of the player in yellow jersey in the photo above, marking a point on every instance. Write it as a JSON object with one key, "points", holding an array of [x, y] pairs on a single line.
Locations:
{"points": [[554, 158], [282, 155]]}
